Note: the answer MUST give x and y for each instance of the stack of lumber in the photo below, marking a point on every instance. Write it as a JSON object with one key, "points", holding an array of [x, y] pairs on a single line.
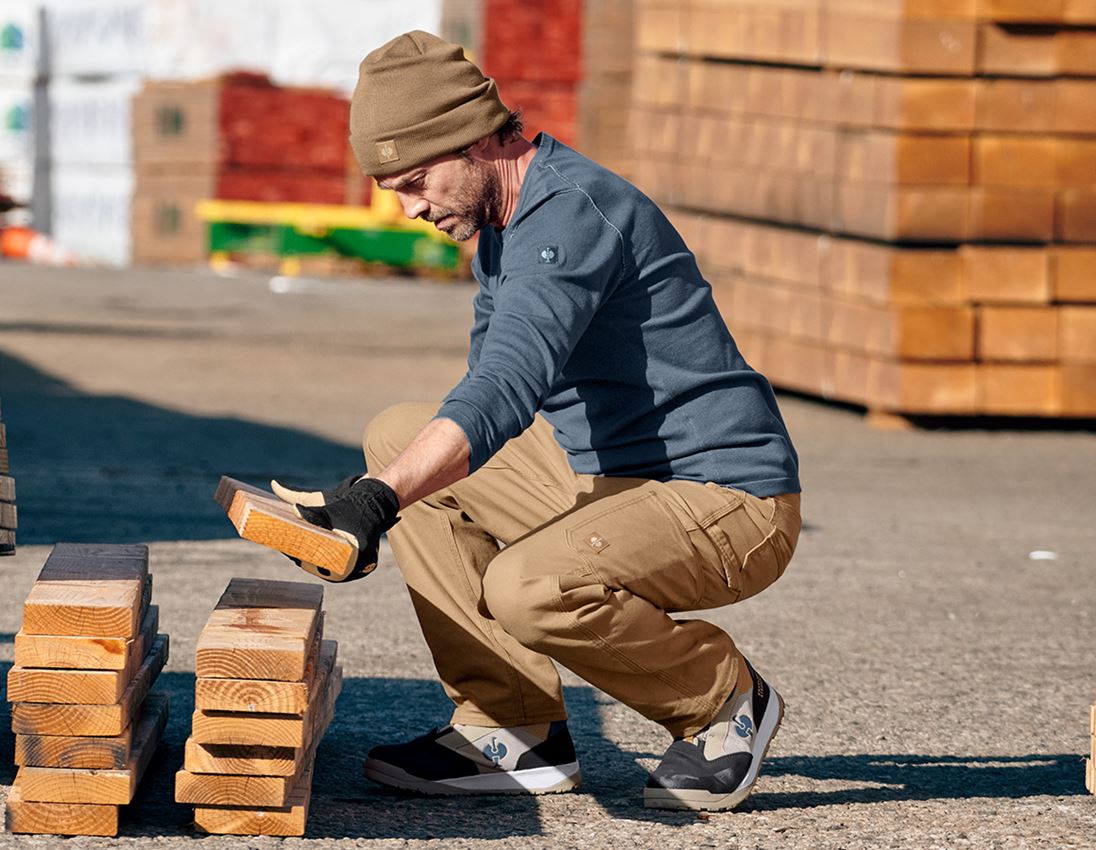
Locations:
{"points": [[567, 64], [885, 218], [8, 515], [265, 694], [233, 137], [85, 722]]}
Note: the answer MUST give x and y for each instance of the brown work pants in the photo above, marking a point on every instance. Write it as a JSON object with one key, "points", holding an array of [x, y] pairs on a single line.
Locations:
{"points": [[526, 560]]}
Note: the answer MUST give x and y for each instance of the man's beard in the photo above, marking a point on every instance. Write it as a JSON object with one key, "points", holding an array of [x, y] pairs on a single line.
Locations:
{"points": [[477, 202]]}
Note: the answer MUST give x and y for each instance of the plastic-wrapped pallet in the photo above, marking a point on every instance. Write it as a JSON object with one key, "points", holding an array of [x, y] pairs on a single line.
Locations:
{"points": [[91, 211]]}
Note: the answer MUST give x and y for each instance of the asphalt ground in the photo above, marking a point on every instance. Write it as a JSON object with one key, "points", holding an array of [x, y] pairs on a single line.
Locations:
{"points": [[938, 679]]}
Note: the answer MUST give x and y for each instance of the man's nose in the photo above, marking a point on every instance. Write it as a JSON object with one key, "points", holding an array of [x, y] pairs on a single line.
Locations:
{"points": [[414, 207]]}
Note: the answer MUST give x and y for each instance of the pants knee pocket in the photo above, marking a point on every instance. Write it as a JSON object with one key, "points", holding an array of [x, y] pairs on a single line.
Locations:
{"points": [[756, 543]]}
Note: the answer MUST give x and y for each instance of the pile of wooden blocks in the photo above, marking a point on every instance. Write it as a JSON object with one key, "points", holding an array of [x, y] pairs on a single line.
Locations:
{"points": [[898, 209], [8, 516], [85, 721], [265, 694]]}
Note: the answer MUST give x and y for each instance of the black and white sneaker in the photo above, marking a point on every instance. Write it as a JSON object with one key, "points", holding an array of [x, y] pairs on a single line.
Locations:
{"points": [[537, 759], [716, 769]]}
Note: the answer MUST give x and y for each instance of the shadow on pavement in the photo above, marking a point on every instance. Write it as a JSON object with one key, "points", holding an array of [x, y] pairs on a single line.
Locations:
{"points": [[884, 778], [98, 469]]}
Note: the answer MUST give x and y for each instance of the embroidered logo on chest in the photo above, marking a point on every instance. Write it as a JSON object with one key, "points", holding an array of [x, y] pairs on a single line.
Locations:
{"points": [[548, 255]]}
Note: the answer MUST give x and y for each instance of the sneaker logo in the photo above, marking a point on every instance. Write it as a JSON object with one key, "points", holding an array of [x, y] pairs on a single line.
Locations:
{"points": [[495, 751], [743, 726]]}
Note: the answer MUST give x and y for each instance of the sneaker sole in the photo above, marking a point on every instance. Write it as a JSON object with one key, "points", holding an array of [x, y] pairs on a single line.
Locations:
{"points": [[534, 780], [706, 801]]}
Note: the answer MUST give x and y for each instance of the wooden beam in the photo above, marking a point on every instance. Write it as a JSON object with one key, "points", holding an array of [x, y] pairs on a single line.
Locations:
{"points": [[287, 821], [33, 718], [84, 687], [113, 787], [260, 630], [88, 590], [7, 488], [258, 695], [29, 818], [261, 517]]}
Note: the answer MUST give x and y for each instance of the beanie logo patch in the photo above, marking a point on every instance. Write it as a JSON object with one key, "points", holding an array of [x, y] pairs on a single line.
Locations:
{"points": [[387, 151]]}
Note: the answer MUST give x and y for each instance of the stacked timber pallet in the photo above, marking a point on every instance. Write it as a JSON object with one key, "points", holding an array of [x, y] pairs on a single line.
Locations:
{"points": [[886, 218], [568, 65], [86, 724], [265, 694], [233, 137], [8, 515]]}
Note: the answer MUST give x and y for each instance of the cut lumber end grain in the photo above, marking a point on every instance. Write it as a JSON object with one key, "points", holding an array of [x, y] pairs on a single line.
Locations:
{"points": [[7, 541], [263, 518], [7, 488], [286, 821], [104, 787], [88, 591], [32, 718], [260, 630], [30, 818]]}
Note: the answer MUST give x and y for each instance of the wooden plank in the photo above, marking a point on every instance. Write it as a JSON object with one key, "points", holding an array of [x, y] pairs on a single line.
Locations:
{"points": [[5, 463], [260, 630], [113, 787], [1025, 334], [1076, 215], [1077, 342], [1073, 271], [74, 751], [3, 436], [88, 590], [74, 652], [1078, 389], [1005, 275], [32, 718], [903, 159], [1018, 390], [878, 43], [8, 516], [7, 541], [1004, 215], [287, 821], [1074, 163], [28, 818], [1021, 162], [886, 275], [260, 695], [261, 517], [7, 488], [260, 791], [88, 687], [253, 728], [256, 760]]}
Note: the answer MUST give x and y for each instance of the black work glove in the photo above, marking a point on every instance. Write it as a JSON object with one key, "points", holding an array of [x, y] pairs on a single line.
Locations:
{"points": [[362, 513], [313, 498]]}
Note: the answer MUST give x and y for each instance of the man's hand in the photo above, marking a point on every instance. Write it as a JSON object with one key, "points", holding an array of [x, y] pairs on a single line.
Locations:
{"points": [[314, 498], [365, 510]]}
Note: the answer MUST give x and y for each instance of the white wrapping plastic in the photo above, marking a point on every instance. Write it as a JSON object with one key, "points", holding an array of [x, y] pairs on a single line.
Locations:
{"points": [[17, 179], [190, 39], [97, 37], [322, 42], [16, 119], [90, 122], [91, 212], [18, 38]]}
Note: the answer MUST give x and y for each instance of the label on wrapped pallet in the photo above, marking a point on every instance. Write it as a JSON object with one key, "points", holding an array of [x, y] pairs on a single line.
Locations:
{"points": [[96, 37], [91, 212], [16, 119], [18, 39], [322, 42], [90, 122]]}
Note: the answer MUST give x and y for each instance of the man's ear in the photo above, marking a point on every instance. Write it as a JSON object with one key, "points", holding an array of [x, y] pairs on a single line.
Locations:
{"points": [[479, 148]]}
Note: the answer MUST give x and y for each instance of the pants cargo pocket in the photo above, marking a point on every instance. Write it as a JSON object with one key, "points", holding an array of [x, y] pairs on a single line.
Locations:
{"points": [[754, 539]]}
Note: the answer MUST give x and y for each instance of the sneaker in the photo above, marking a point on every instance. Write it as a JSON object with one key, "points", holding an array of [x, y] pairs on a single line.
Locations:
{"points": [[716, 769], [537, 759]]}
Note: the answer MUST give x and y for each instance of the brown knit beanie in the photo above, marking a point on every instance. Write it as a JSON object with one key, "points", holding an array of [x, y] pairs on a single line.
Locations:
{"points": [[418, 98]]}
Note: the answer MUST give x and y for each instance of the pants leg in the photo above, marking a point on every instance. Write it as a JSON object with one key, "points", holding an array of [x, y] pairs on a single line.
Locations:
{"points": [[443, 545], [592, 588]]}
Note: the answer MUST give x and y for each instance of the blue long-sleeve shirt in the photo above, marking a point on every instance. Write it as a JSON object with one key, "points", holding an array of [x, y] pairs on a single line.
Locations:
{"points": [[592, 310]]}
